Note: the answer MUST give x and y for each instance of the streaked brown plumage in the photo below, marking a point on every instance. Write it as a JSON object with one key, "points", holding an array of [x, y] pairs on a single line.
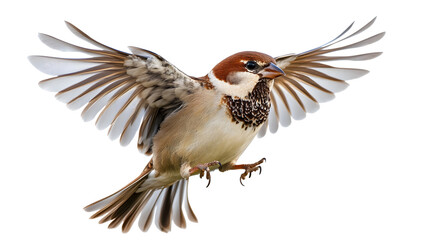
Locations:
{"points": [[189, 125]]}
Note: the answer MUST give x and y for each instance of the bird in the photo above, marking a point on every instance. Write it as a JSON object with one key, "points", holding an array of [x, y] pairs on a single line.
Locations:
{"points": [[190, 125]]}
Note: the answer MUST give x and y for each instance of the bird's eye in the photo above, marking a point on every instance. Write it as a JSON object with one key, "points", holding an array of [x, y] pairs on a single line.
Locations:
{"points": [[251, 65]]}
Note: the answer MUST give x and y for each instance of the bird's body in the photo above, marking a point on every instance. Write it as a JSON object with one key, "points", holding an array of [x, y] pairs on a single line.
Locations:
{"points": [[188, 125], [210, 135]]}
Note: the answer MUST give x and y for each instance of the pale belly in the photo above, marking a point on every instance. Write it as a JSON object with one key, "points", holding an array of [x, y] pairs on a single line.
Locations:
{"points": [[202, 133], [219, 140]]}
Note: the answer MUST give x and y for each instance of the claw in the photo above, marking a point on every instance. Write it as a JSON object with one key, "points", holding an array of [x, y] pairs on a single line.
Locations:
{"points": [[248, 169], [208, 177], [260, 171], [205, 168]]}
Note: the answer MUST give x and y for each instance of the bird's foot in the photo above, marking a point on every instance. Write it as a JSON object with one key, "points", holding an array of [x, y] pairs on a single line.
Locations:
{"points": [[204, 168], [249, 168]]}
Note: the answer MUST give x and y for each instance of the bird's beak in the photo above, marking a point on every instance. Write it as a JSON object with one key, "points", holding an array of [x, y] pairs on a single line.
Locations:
{"points": [[271, 71]]}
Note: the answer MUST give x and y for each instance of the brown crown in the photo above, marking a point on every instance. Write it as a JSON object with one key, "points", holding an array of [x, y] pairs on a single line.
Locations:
{"points": [[236, 63]]}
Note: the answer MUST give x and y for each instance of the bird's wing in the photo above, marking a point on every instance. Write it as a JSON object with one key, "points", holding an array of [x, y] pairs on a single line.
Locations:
{"points": [[127, 92], [309, 81]]}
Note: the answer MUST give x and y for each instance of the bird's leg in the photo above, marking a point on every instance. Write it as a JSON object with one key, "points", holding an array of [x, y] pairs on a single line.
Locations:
{"points": [[248, 168], [204, 168]]}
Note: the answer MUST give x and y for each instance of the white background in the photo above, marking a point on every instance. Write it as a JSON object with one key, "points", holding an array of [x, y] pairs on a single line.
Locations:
{"points": [[356, 169]]}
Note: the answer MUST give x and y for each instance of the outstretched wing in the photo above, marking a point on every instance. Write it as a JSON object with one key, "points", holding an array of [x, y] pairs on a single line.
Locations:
{"points": [[129, 92], [309, 80]]}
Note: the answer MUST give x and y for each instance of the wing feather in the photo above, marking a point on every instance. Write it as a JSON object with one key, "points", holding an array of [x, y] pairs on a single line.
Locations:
{"points": [[360, 57], [273, 121], [118, 124], [116, 105], [79, 33], [132, 124], [127, 91], [309, 80], [60, 45], [102, 98]]}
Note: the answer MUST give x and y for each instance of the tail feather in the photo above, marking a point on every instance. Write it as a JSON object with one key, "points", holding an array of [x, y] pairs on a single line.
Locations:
{"points": [[131, 217], [146, 216], [189, 212], [125, 205], [163, 221], [178, 217]]}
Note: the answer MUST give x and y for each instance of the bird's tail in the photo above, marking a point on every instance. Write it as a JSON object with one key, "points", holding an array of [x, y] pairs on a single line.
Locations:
{"points": [[125, 205]]}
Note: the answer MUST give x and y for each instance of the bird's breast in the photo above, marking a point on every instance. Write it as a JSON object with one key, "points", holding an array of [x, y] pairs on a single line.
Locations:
{"points": [[252, 111]]}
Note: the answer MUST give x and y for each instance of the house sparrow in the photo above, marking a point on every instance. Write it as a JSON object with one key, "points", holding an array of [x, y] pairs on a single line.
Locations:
{"points": [[189, 125]]}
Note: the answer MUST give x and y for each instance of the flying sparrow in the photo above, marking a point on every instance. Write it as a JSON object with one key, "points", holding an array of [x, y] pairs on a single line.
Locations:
{"points": [[189, 125]]}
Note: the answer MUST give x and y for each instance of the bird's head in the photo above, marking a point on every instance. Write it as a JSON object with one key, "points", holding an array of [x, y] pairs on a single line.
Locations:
{"points": [[238, 74]]}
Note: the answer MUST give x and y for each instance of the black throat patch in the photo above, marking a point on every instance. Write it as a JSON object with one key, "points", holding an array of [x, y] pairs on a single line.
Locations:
{"points": [[253, 110]]}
